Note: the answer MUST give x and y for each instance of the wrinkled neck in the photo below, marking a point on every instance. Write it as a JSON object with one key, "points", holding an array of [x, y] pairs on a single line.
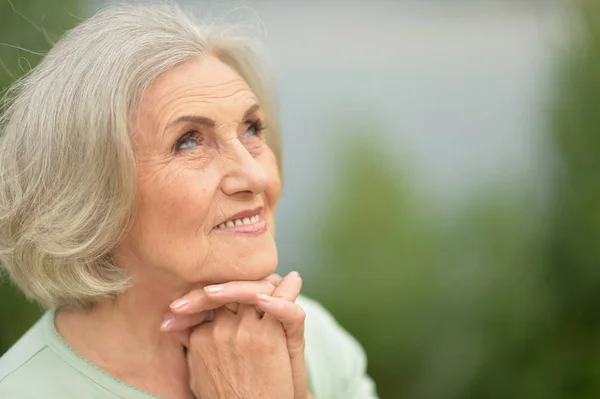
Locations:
{"points": [[122, 337]]}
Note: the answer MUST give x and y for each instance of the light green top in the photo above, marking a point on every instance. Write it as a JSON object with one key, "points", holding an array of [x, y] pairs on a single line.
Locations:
{"points": [[41, 365]]}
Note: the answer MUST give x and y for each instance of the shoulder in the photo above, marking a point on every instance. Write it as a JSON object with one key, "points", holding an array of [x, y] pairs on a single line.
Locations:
{"points": [[336, 361], [22, 354], [22, 363], [27, 375], [31, 369]]}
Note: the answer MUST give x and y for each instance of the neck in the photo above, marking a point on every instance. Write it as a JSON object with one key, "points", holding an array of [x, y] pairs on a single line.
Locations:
{"points": [[122, 337]]}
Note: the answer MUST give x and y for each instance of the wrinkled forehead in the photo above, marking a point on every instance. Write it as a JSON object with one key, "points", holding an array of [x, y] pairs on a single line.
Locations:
{"points": [[204, 87]]}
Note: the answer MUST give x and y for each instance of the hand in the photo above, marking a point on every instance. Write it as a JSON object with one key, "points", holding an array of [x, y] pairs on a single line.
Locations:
{"points": [[196, 307], [281, 308], [240, 355]]}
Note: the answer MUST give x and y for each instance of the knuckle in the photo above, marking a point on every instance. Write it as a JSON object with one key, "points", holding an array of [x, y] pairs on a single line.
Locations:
{"points": [[219, 332], [243, 337], [297, 347], [267, 285], [274, 279], [222, 333], [270, 288], [300, 314]]}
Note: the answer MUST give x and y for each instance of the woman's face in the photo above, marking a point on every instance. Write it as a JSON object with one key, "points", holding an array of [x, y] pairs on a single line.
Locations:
{"points": [[207, 181]]}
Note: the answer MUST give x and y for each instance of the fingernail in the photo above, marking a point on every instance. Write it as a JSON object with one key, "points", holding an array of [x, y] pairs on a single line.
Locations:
{"points": [[213, 289], [179, 304], [166, 323], [263, 298], [294, 274]]}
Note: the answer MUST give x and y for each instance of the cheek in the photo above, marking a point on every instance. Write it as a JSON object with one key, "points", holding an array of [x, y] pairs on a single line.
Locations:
{"points": [[273, 189], [272, 192], [174, 204]]}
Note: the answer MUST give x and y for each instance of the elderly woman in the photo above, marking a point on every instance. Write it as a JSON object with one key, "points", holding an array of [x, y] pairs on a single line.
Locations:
{"points": [[139, 179]]}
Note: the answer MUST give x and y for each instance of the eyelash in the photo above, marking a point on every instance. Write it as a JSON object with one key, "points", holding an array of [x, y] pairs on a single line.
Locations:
{"points": [[190, 135], [258, 126]]}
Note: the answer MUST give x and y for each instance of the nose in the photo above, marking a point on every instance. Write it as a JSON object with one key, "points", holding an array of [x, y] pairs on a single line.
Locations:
{"points": [[245, 176]]}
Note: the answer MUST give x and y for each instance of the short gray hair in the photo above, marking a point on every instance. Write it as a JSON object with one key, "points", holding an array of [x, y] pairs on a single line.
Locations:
{"points": [[67, 170]]}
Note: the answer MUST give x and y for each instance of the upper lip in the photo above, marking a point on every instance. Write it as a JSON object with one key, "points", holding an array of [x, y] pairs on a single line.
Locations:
{"points": [[243, 214]]}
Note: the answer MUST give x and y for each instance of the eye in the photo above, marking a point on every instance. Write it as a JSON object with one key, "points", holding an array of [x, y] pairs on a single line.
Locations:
{"points": [[254, 129], [191, 139]]}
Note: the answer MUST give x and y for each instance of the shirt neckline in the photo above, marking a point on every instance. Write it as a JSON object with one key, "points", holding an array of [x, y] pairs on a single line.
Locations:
{"points": [[83, 366]]}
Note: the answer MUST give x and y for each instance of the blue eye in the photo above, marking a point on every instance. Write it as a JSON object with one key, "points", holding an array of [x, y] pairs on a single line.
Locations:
{"points": [[190, 139], [254, 129], [187, 143]]}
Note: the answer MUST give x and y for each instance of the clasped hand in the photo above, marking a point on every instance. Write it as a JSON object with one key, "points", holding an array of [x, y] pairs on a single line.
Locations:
{"points": [[244, 339]]}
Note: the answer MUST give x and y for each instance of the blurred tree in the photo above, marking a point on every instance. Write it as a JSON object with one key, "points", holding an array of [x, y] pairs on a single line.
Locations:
{"points": [[573, 247], [27, 28], [377, 257], [500, 302], [497, 303], [444, 306]]}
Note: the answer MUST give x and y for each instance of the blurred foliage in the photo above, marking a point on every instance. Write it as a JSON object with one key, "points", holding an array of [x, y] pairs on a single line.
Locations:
{"points": [[497, 300], [27, 28], [445, 307]]}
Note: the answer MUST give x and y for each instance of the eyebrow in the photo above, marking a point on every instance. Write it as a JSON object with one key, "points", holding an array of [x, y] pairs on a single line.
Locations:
{"points": [[202, 120]]}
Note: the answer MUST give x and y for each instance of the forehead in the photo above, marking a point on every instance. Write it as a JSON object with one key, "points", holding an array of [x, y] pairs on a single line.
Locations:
{"points": [[204, 86]]}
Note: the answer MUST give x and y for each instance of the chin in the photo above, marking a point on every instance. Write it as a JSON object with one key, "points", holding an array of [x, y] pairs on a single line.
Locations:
{"points": [[258, 261], [260, 267], [244, 258]]}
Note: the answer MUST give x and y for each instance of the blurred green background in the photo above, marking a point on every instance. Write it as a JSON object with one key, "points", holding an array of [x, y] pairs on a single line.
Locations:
{"points": [[499, 298]]}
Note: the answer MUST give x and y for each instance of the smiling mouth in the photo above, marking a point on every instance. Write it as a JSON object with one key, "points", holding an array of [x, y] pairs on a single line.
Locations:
{"points": [[245, 221]]}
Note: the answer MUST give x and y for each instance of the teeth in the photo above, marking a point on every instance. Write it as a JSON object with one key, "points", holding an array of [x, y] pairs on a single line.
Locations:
{"points": [[239, 222]]}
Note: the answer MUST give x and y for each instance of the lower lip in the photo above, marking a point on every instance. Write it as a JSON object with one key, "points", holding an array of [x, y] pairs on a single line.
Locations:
{"points": [[248, 229]]}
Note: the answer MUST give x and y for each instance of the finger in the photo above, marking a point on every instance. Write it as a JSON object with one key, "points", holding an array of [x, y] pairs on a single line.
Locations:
{"points": [[250, 312], [214, 296], [224, 312], [183, 336], [289, 288], [238, 291], [232, 307], [292, 317], [289, 314], [195, 301], [173, 322], [274, 279], [222, 325], [259, 311]]}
